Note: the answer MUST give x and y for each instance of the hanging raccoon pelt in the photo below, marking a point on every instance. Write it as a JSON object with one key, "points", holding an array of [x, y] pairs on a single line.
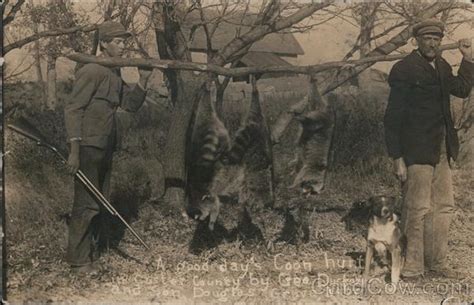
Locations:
{"points": [[314, 143], [252, 147], [252, 152], [209, 142], [253, 137]]}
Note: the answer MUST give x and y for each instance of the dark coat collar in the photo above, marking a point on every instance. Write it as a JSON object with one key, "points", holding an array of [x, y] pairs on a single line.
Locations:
{"points": [[440, 72], [415, 58]]}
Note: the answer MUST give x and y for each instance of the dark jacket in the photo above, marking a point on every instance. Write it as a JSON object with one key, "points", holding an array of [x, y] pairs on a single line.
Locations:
{"points": [[418, 112], [90, 110]]}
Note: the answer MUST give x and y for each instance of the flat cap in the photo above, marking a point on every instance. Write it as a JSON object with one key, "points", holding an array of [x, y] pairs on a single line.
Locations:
{"points": [[111, 29], [430, 26]]}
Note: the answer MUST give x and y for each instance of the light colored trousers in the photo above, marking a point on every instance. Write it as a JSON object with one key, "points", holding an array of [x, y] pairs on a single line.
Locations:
{"points": [[427, 212]]}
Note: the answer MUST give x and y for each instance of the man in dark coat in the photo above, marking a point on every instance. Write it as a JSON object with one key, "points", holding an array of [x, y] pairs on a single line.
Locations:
{"points": [[92, 135], [422, 141]]}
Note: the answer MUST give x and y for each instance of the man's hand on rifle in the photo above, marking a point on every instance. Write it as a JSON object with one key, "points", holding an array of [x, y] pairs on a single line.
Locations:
{"points": [[73, 159]]}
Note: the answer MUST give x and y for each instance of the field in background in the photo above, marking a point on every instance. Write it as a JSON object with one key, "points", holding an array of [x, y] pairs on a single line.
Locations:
{"points": [[39, 195]]}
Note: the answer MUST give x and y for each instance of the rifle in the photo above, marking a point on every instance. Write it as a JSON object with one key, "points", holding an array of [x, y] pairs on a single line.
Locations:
{"points": [[26, 129]]}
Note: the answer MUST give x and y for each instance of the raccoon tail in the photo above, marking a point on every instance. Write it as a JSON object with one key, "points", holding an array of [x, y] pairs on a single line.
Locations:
{"points": [[242, 141], [209, 149]]}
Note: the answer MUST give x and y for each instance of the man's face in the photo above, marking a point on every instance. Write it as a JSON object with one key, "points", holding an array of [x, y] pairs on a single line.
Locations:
{"points": [[428, 45], [115, 47]]}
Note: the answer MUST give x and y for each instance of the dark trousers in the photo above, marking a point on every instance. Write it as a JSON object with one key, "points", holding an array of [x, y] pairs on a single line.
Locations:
{"points": [[88, 217]]}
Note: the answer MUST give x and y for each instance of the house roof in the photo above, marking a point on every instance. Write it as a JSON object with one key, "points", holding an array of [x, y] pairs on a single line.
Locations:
{"points": [[263, 59], [284, 44]]}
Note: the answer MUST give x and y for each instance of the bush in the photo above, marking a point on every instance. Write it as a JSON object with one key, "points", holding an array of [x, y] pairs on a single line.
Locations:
{"points": [[359, 150], [359, 130]]}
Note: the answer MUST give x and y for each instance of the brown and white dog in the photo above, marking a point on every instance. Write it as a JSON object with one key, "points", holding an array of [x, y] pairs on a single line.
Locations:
{"points": [[384, 236]]}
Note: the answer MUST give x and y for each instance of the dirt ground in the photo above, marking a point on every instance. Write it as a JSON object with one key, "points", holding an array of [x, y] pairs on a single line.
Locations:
{"points": [[327, 269]]}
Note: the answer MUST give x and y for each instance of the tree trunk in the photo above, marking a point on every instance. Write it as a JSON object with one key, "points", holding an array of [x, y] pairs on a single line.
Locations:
{"points": [[51, 96], [186, 93], [39, 71], [367, 19]]}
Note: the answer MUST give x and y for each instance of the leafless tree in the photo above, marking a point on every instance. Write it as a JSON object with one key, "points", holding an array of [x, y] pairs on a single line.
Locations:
{"points": [[173, 34], [272, 16]]}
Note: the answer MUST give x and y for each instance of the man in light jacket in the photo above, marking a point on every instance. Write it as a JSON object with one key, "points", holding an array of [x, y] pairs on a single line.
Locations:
{"points": [[92, 135]]}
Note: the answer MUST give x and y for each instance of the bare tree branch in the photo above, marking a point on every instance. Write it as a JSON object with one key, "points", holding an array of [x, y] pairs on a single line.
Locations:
{"points": [[259, 32], [354, 49], [12, 13], [221, 17], [15, 72], [340, 15], [109, 9], [57, 32], [135, 8], [268, 13], [206, 30], [380, 35], [235, 72], [136, 33], [305, 28], [393, 44]]}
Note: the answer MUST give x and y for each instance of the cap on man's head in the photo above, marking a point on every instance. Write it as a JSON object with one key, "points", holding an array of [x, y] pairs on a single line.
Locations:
{"points": [[430, 26], [111, 29]]}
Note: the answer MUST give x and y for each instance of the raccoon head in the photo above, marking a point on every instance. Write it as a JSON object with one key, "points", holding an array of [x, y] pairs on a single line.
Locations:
{"points": [[313, 121], [310, 183], [312, 187], [208, 206]]}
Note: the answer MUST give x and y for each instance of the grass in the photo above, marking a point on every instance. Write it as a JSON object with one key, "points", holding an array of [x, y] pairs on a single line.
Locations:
{"points": [[39, 192]]}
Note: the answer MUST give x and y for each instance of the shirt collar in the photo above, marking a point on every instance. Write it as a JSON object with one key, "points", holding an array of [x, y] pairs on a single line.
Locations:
{"points": [[432, 62]]}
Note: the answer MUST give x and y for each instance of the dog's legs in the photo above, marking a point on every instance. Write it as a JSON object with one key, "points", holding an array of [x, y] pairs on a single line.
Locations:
{"points": [[369, 254], [396, 264]]}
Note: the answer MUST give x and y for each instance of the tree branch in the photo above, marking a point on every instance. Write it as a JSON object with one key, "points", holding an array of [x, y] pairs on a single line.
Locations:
{"points": [[206, 30], [260, 31], [268, 12], [129, 19], [234, 72], [384, 49], [12, 13], [15, 72], [58, 32], [382, 34], [109, 9]]}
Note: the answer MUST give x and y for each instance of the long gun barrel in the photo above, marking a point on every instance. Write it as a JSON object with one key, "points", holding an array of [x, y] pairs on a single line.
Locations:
{"points": [[23, 127]]}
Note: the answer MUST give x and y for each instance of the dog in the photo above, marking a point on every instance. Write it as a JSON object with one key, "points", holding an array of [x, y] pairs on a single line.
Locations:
{"points": [[384, 236]]}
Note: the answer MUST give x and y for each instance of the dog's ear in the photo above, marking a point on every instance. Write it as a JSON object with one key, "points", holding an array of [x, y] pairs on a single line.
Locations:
{"points": [[398, 205], [392, 200], [370, 203], [370, 206], [360, 204]]}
